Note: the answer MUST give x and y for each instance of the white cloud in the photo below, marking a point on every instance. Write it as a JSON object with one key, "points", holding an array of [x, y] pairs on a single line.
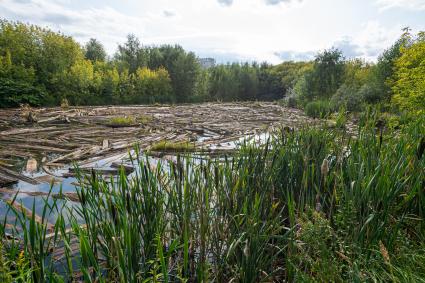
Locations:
{"points": [[406, 4], [374, 38]]}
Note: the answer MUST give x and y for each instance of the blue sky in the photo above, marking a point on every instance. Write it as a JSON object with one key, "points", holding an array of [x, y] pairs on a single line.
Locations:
{"points": [[231, 30]]}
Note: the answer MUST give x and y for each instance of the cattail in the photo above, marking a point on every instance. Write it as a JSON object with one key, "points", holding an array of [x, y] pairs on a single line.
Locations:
{"points": [[384, 252], [324, 169]]}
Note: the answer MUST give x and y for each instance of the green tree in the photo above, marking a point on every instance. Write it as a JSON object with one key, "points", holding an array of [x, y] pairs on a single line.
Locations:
{"points": [[94, 51], [408, 82], [328, 73], [132, 54]]}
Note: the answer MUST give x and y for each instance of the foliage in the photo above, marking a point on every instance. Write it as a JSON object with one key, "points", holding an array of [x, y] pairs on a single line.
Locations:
{"points": [[42, 67], [318, 109], [409, 78], [245, 82], [151, 86], [383, 71], [183, 68], [94, 51], [131, 54], [327, 74], [312, 205], [173, 146], [347, 96], [122, 121], [370, 93], [13, 93], [5, 272]]}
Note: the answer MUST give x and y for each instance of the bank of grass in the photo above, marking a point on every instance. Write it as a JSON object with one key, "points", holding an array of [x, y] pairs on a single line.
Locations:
{"points": [[170, 146], [121, 121], [309, 206]]}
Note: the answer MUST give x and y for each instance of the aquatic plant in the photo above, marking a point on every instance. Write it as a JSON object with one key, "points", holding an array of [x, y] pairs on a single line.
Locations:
{"points": [[309, 205]]}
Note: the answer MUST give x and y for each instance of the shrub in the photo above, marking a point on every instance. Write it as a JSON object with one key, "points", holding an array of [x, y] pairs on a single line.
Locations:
{"points": [[292, 102], [173, 146], [13, 93], [318, 109], [125, 121], [370, 93], [64, 103], [349, 97]]}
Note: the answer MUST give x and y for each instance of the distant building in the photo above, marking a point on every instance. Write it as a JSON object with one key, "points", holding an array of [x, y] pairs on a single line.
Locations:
{"points": [[207, 62]]}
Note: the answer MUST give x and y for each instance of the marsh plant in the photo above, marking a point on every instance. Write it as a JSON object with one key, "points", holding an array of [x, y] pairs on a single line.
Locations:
{"points": [[309, 205]]}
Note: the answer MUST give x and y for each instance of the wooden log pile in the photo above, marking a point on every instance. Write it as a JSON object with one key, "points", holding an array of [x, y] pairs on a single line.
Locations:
{"points": [[83, 134]]}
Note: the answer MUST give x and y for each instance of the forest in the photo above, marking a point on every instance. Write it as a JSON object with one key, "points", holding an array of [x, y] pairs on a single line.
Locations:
{"points": [[40, 67]]}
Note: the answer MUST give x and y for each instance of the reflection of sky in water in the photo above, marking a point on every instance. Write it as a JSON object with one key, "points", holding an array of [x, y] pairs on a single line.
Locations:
{"points": [[38, 203], [68, 184]]}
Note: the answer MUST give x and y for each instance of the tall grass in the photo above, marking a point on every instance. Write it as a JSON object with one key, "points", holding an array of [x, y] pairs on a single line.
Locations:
{"points": [[314, 205]]}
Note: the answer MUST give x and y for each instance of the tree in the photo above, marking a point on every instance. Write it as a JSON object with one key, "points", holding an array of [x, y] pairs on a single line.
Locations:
{"points": [[79, 83], [379, 80], [107, 78], [408, 82], [132, 54], [183, 68], [289, 73], [328, 73], [347, 96], [13, 93], [94, 51]]}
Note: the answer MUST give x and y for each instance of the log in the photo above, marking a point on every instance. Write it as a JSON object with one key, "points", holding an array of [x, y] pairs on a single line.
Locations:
{"points": [[18, 176], [6, 180]]}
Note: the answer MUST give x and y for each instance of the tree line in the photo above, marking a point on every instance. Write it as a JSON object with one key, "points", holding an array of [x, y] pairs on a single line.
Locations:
{"points": [[396, 81], [42, 67]]}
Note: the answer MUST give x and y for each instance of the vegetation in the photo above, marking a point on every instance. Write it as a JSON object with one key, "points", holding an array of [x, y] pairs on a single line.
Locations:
{"points": [[41, 67], [300, 208], [122, 121], [408, 83], [318, 109], [311, 205], [173, 146]]}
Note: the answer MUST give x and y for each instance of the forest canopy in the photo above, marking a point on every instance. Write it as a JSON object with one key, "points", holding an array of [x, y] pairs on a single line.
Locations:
{"points": [[40, 67]]}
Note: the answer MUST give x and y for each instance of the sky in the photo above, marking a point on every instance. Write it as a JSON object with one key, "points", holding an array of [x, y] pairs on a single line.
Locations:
{"points": [[231, 30]]}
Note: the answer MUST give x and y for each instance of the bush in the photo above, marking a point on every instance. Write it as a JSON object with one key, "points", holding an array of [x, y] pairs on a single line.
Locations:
{"points": [[292, 102], [370, 93], [13, 93], [125, 121], [318, 109], [64, 103], [349, 97]]}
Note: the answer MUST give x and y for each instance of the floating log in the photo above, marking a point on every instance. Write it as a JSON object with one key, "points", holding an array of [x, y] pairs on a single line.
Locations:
{"points": [[13, 174], [99, 171], [6, 180], [85, 138], [28, 213]]}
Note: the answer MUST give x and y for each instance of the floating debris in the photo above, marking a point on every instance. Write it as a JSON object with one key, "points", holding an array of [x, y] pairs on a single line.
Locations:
{"points": [[31, 165]]}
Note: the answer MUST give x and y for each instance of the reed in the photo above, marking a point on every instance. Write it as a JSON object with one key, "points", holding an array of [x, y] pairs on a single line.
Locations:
{"points": [[310, 205]]}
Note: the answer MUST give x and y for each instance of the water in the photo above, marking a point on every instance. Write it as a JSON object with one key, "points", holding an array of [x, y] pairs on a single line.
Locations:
{"points": [[68, 185]]}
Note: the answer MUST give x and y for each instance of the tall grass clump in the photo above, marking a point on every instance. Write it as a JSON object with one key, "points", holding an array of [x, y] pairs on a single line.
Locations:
{"points": [[318, 109], [314, 205]]}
